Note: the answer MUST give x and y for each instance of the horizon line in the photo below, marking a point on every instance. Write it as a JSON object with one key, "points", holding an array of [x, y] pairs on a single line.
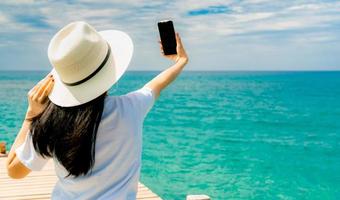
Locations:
{"points": [[230, 70]]}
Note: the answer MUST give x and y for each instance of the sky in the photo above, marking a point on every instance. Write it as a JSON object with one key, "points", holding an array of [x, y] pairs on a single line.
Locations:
{"points": [[218, 35]]}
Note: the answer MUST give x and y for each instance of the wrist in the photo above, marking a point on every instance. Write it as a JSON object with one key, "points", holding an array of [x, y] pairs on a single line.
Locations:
{"points": [[182, 60], [28, 118], [29, 115]]}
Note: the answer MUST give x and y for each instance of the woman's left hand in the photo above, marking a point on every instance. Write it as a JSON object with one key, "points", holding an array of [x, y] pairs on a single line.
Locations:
{"points": [[38, 97]]}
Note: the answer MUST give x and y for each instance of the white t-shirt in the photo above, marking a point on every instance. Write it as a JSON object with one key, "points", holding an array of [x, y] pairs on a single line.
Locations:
{"points": [[118, 150]]}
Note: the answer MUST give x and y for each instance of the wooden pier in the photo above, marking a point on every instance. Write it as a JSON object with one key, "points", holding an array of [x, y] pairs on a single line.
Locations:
{"points": [[39, 185]]}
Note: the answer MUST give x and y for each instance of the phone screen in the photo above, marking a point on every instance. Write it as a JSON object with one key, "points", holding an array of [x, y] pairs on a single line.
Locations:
{"points": [[168, 38]]}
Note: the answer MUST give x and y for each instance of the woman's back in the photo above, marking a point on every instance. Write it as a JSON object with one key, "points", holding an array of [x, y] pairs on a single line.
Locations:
{"points": [[115, 173]]}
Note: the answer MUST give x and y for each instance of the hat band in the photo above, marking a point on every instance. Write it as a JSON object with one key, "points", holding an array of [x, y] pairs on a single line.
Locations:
{"points": [[93, 73]]}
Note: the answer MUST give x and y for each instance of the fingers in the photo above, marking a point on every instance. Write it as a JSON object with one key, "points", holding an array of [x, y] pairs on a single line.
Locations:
{"points": [[36, 87], [44, 79], [160, 44], [41, 93], [46, 92], [33, 90], [42, 89], [161, 47], [178, 39], [44, 84]]}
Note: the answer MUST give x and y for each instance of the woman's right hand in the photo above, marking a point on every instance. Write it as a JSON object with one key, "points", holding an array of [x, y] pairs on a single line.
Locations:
{"points": [[163, 79], [38, 97], [181, 55]]}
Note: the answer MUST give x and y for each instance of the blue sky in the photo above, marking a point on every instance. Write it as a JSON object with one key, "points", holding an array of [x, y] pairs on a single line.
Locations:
{"points": [[218, 35]]}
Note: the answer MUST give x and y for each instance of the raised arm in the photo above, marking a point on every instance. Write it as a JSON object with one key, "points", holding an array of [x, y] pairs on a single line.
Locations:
{"points": [[37, 102], [163, 79]]}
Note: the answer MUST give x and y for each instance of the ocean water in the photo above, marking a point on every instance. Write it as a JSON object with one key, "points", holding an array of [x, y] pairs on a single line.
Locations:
{"points": [[230, 135]]}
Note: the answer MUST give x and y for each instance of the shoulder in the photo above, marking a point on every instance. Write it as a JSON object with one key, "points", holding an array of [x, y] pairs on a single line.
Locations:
{"points": [[137, 102], [142, 97], [143, 93]]}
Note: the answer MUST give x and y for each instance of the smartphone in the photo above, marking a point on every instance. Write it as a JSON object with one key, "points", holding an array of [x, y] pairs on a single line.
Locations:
{"points": [[168, 38]]}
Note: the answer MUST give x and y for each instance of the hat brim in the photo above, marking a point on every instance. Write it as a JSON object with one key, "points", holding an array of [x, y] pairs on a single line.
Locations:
{"points": [[120, 57]]}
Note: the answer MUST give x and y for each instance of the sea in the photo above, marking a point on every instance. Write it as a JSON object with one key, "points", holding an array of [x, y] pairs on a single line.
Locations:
{"points": [[229, 135]]}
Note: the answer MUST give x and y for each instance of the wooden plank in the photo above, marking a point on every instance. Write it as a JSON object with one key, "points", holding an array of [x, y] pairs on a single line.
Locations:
{"points": [[39, 185], [30, 197]]}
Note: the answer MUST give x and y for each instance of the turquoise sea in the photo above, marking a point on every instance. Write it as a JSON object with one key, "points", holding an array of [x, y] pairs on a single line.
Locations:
{"points": [[230, 135]]}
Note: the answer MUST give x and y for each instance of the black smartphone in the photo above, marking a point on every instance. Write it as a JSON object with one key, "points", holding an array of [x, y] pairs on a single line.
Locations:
{"points": [[168, 38]]}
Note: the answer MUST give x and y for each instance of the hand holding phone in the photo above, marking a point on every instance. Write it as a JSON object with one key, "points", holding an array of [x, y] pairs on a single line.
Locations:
{"points": [[170, 44], [167, 35], [176, 53]]}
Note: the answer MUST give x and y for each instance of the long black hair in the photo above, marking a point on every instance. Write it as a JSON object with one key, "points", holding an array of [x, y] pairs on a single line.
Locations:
{"points": [[69, 134]]}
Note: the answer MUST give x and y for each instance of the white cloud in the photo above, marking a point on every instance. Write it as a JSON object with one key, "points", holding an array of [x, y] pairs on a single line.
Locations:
{"points": [[256, 20], [319, 37], [3, 18], [257, 1], [249, 17], [9, 25], [335, 6], [194, 4], [284, 19], [68, 13], [239, 21], [16, 2]]}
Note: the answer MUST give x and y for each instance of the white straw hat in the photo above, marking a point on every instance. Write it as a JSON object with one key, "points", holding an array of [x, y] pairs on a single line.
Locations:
{"points": [[86, 62]]}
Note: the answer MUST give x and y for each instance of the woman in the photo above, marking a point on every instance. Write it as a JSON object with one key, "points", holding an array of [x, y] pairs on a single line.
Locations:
{"points": [[94, 139]]}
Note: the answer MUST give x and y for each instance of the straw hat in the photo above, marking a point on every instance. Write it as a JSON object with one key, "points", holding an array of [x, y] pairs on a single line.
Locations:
{"points": [[86, 62]]}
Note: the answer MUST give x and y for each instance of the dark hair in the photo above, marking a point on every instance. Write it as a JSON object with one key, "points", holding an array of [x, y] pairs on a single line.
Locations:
{"points": [[69, 134]]}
